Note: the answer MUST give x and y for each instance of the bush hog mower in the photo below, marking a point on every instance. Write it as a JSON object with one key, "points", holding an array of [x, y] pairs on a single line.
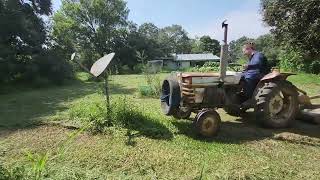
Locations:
{"points": [[276, 101]]}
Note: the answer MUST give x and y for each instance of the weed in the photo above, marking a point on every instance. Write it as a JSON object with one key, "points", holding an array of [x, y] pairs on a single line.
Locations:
{"points": [[39, 162], [16, 173], [153, 87]]}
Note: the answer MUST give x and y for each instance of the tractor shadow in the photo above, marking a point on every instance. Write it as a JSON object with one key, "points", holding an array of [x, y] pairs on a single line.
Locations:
{"points": [[147, 127], [246, 129]]}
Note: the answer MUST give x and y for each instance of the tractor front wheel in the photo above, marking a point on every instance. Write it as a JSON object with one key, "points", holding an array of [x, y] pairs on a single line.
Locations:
{"points": [[207, 123]]}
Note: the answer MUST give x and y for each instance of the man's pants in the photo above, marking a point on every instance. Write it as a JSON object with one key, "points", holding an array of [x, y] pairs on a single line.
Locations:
{"points": [[249, 86]]}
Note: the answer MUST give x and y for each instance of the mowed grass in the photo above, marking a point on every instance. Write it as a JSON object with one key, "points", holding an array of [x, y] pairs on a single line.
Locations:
{"points": [[242, 149]]}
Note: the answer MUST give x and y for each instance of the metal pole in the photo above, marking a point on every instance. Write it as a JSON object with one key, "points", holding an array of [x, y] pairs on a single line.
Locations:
{"points": [[106, 83], [224, 53]]}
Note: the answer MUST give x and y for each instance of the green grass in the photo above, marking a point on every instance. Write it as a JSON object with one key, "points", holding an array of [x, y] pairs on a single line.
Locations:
{"points": [[242, 150]]}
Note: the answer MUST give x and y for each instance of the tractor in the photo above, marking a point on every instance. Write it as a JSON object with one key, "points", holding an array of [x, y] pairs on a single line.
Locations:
{"points": [[276, 101]]}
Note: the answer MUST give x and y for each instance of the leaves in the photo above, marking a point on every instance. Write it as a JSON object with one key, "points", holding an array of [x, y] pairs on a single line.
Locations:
{"points": [[296, 23]]}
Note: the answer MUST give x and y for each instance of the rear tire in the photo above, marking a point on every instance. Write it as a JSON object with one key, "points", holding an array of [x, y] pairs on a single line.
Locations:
{"points": [[170, 96], [276, 104]]}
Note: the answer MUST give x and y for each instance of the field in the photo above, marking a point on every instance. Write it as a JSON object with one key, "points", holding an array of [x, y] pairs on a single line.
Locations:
{"points": [[33, 120]]}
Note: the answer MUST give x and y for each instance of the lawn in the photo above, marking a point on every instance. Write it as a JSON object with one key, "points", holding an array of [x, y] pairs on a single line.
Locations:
{"points": [[34, 121]]}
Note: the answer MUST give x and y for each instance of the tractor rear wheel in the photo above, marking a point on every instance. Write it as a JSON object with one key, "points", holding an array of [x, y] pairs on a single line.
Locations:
{"points": [[276, 104], [207, 123]]}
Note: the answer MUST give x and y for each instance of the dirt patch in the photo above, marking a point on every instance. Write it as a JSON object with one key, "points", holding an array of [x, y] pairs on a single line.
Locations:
{"points": [[298, 139]]}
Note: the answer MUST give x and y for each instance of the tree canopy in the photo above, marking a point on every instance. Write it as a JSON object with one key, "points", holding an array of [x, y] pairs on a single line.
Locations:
{"points": [[23, 39], [296, 23]]}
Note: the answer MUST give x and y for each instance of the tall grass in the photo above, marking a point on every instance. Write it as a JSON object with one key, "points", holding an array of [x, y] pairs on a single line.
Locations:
{"points": [[152, 87], [93, 110]]}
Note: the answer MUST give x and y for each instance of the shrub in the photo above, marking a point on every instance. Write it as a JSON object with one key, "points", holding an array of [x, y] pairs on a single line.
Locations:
{"points": [[153, 87], [315, 67], [291, 60], [139, 68], [93, 110]]}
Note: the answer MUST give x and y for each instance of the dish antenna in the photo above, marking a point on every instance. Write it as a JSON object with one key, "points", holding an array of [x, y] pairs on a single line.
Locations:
{"points": [[99, 66], [97, 69]]}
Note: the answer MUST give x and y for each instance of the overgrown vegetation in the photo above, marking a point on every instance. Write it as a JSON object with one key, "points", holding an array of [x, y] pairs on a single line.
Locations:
{"points": [[152, 146], [123, 114]]}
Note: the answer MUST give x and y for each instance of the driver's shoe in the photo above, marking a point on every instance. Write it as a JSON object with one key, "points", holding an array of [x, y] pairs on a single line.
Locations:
{"points": [[247, 104]]}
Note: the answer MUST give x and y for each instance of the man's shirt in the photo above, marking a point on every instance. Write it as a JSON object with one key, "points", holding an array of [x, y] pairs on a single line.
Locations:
{"points": [[256, 66]]}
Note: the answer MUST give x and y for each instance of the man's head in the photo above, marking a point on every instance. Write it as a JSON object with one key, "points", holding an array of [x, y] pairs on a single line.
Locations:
{"points": [[248, 48]]}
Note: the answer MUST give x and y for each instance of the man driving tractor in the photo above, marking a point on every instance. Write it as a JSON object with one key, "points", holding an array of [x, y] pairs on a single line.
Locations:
{"points": [[256, 68]]}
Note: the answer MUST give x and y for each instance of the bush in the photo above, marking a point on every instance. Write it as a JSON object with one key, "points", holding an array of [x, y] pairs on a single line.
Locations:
{"points": [[153, 87], [139, 68], [291, 60], [207, 67], [315, 67], [93, 110]]}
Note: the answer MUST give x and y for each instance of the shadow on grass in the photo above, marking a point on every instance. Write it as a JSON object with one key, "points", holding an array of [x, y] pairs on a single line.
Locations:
{"points": [[246, 129], [30, 107], [147, 127], [120, 89]]}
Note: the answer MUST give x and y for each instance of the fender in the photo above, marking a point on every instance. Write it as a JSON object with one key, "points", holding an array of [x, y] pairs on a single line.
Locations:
{"points": [[276, 75]]}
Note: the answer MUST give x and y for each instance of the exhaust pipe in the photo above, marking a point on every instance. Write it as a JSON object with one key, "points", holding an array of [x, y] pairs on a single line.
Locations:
{"points": [[224, 53]]}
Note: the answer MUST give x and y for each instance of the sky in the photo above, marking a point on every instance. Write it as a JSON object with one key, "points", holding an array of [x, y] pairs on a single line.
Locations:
{"points": [[199, 17]]}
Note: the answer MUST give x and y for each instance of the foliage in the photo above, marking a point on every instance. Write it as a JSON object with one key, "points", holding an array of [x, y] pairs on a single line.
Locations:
{"points": [[207, 67], [142, 57], [15, 173], [153, 87], [92, 109], [235, 48], [26, 53], [264, 43], [291, 60], [209, 45], [174, 39], [94, 27], [100, 156], [268, 46], [295, 23], [39, 163]]}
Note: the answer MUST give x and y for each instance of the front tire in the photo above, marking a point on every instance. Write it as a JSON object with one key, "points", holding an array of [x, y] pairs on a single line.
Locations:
{"points": [[276, 104], [170, 96], [207, 123]]}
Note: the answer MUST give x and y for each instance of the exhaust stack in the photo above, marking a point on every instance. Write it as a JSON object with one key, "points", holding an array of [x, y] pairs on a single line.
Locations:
{"points": [[224, 52]]}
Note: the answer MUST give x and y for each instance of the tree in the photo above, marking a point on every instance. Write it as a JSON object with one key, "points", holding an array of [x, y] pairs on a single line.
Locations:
{"points": [[174, 39], [23, 37], [209, 45], [149, 31], [295, 23], [267, 44], [93, 27], [235, 48]]}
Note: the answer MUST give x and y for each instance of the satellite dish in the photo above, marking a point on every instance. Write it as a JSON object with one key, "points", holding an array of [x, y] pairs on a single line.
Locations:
{"points": [[99, 66], [73, 56]]}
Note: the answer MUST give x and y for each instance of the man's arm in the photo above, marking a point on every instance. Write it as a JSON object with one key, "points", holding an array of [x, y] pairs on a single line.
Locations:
{"points": [[256, 62]]}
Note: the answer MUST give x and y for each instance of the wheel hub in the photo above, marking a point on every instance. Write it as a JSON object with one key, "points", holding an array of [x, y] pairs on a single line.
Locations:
{"points": [[208, 124], [276, 104]]}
